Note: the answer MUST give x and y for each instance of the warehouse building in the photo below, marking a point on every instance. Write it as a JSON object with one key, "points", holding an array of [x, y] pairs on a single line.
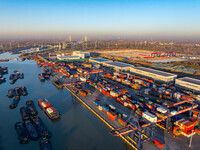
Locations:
{"points": [[154, 74], [119, 65], [68, 57], [188, 83], [82, 55], [100, 60]]}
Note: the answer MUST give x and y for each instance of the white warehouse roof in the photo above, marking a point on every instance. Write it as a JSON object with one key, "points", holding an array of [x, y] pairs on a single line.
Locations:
{"points": [[99, 60], [190, 80], [154, 74], [68, 57], [153, 71], [188, 83], [119, 64]]}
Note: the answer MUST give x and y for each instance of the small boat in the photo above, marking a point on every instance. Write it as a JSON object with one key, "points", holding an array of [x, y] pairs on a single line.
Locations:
{"points": [[50, 111], [17, 92], [4, 70], [14, 103], [46, 76], [24, 91], [31, 108], [41, 77], [21, 76], [14, 80], [15, 71], [31, 130], [2, 80], [57, 84], [40, 127], [17, 75], [22, 133], [22, 59], [11, 93], [11, 76], [24, 113], [45, 144], [48, 72]]}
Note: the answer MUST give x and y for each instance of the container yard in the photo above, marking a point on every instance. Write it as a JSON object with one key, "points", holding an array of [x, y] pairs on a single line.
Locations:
{"points": [[144, 114]]}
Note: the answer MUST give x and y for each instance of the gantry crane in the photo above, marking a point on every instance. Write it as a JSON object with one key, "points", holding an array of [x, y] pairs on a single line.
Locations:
{"points": [[136, 125]]}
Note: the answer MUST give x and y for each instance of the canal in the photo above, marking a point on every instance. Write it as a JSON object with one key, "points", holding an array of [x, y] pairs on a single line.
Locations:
{"points": [[78, 128]]}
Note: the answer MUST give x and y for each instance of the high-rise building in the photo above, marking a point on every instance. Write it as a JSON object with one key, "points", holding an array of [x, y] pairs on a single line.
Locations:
{"points": [[70, 38], [59, 46], [64, 45], [86, 39]]}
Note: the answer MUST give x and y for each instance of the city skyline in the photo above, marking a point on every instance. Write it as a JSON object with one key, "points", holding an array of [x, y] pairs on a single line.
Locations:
{"points": [[175, 20]]}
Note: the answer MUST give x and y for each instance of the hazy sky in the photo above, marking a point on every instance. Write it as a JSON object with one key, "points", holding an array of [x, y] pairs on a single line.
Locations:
{"points": [[99, 19]]}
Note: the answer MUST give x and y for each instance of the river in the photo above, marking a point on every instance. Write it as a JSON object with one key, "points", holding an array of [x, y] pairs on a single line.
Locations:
{"points": [[78, 128]]}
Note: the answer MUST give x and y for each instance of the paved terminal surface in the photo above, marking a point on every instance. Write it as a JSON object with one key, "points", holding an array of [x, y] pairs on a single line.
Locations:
{"points": [[170, 142]]}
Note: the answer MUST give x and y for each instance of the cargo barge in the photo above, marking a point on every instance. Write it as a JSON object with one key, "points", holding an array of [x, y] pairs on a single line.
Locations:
{"points": [[49, 110], [57, 84]]}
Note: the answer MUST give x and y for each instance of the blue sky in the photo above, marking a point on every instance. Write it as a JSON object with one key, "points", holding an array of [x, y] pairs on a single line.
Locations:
{"points": [[100, 19]]}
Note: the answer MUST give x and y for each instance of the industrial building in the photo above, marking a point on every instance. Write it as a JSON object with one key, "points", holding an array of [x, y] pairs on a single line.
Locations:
{"points": [[100, 60], [75, 55], [68, 57], [154, 74], [188, 83], [119, 65], [82, 55]]}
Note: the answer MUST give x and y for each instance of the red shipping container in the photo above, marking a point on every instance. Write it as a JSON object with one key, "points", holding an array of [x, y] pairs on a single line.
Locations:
{"points": [[132, 107], [122, 121], [197, 130], [97, 99], [112, 115], [104, 111], [185, 124], [103, 91], [158, 143]]}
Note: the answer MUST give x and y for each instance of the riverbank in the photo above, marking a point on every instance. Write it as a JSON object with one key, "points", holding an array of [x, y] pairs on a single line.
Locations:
{"points": [[77, 124]]}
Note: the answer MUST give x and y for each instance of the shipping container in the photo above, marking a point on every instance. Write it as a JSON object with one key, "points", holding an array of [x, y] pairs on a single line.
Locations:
{"points": [[113, 94], [162, 110], [96, 103], [100, 107], [105, 108], [112, 107], [122, 122], [150, 117], [112, 115], [185, 125]]}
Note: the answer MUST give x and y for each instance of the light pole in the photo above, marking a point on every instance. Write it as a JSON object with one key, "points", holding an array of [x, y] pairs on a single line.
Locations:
{"points": [[191, 139]]}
